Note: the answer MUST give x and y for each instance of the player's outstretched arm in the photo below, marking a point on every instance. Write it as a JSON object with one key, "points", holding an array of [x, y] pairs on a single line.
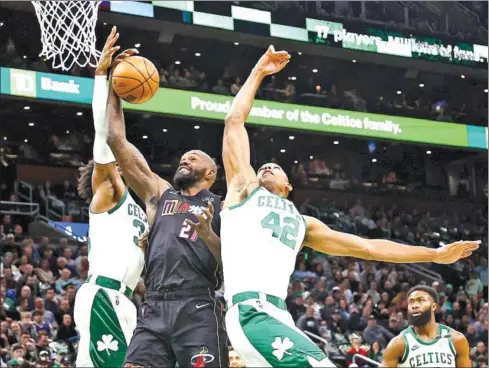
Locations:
{"points": [[321, 238], [393, 353], [236, 145], [462, 349], [105, 175], [136, 171]]}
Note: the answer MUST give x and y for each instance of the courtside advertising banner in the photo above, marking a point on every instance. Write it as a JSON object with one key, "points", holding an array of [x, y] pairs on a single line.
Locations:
{"points": [[48, 86], [266, 113]]}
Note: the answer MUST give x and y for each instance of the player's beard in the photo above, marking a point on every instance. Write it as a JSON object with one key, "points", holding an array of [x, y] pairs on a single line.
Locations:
{"points": [[421, 320], [182, 181]]}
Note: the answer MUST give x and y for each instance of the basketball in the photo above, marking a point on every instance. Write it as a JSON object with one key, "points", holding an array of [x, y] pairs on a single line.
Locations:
{"points": [[135, 79]]}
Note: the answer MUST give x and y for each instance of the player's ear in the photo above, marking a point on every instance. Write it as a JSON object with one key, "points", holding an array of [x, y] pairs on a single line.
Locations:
{"points": [[290, 187], [211, 175]]}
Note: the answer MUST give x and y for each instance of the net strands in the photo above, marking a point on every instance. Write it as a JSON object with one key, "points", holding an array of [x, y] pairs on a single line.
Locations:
{"points": [[68, 32]]}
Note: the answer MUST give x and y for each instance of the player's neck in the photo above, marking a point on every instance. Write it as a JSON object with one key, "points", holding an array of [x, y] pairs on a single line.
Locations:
{"points": [[191, 191], [430, 330]]}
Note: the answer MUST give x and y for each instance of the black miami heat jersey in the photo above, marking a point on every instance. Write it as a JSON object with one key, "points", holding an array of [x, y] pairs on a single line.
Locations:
{"points": [[177, 258]]}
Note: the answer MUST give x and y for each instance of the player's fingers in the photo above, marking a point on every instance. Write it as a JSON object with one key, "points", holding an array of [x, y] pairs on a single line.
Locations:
{"points": [[110, 37], [192, 224], [211, 208], [114, 39], [113, 50], [208, 214], [201, 219], [130, 52]]}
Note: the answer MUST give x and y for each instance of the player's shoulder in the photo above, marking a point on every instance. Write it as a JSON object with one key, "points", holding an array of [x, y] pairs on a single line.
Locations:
{"points": [[397, 347], [457, 336]]}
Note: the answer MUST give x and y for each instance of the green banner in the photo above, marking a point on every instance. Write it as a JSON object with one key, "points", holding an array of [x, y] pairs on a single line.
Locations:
{"points": [[275, 114], [267, 113]]}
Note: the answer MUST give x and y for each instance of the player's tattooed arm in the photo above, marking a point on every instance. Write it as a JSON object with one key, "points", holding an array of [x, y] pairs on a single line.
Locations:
{"points": [[462, 349], [323, 239], [136, 171], [236, 144], [393, 353]]}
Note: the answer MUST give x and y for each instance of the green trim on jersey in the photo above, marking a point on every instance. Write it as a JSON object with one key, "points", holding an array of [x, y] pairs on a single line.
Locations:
{"points": [[108, 344], [426, 343], [246, 199], [450, 341], [121, 201], [406, 347]]}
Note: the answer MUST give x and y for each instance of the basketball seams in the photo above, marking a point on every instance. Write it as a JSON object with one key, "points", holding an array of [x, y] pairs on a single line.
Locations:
{"points": [[147, 72], [145, 80], [140, 83]]}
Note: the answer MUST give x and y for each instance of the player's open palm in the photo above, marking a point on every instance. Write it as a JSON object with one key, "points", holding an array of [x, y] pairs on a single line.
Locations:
{"points": [[451, 253], [203, 226], [272, 61], [107, 52]]}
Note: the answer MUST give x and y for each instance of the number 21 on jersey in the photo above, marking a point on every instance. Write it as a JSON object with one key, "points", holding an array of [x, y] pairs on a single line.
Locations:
{"points": [[187, 232]]}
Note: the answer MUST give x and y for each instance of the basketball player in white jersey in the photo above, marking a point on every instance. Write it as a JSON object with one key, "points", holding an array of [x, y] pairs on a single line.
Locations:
{"points": [[426, 343], [104, 314], [261, 234]]}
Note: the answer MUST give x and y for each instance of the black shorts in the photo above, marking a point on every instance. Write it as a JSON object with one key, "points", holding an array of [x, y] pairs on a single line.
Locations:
{"points": [[184, 327]]}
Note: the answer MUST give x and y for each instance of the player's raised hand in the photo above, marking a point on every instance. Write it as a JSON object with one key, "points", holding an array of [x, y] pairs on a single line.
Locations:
{"points": [[107, 52], [451, 253], [272, 61], [124, 54], [204, 225]]}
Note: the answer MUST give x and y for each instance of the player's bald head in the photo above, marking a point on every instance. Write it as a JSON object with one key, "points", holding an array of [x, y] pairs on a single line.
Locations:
{"points": [[195, 167], [211, 164]]}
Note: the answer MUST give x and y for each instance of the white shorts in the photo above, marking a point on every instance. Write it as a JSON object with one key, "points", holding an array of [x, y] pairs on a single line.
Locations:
{"points": [[105, 320], [265, 336]]}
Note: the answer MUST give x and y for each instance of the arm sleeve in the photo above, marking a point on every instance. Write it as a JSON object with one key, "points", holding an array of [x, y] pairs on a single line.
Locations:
{"points": [[101, 151]]}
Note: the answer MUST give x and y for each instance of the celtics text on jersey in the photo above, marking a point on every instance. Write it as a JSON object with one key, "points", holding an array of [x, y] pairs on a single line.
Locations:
{"points": [[437, 353]]}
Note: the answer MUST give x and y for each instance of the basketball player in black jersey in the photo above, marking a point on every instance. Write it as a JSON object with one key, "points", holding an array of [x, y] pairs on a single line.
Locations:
{"points": [[181, 320]]}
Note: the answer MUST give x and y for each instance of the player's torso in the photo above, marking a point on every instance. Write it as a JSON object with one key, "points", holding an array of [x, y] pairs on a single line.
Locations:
{"points": [[260, 239], [177, 258], [114, 250], [439, 353]]}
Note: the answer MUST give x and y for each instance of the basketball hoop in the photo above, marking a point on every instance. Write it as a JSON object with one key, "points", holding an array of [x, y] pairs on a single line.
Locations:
{"points": [[68, 32]]}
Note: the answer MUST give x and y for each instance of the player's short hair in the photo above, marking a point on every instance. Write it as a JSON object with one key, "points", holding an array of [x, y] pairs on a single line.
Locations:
{"points": [[85, 181], [427, 289]]}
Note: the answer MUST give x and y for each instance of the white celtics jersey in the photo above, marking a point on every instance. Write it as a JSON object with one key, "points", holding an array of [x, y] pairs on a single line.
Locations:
{"points": [[114, 250], [260, 239], [438, 353]]}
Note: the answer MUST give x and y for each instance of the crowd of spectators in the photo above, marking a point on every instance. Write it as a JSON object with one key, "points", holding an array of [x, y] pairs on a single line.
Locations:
{"points": [[356, 306]]}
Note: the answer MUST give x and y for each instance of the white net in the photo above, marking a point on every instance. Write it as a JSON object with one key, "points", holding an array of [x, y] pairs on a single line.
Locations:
{"points": [[68, 32]]}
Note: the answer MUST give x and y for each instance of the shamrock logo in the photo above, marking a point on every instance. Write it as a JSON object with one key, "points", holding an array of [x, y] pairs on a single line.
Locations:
{"points": [[108, 343], [281, 347]]}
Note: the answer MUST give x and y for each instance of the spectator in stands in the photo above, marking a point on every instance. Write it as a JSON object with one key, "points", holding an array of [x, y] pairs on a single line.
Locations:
{"points": [[374, 332], [309, 210], [236, 86], [474, 285], [356, 349], [375, 352], [44, 272], [220, 88], [67, 329], [64, 281]]}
